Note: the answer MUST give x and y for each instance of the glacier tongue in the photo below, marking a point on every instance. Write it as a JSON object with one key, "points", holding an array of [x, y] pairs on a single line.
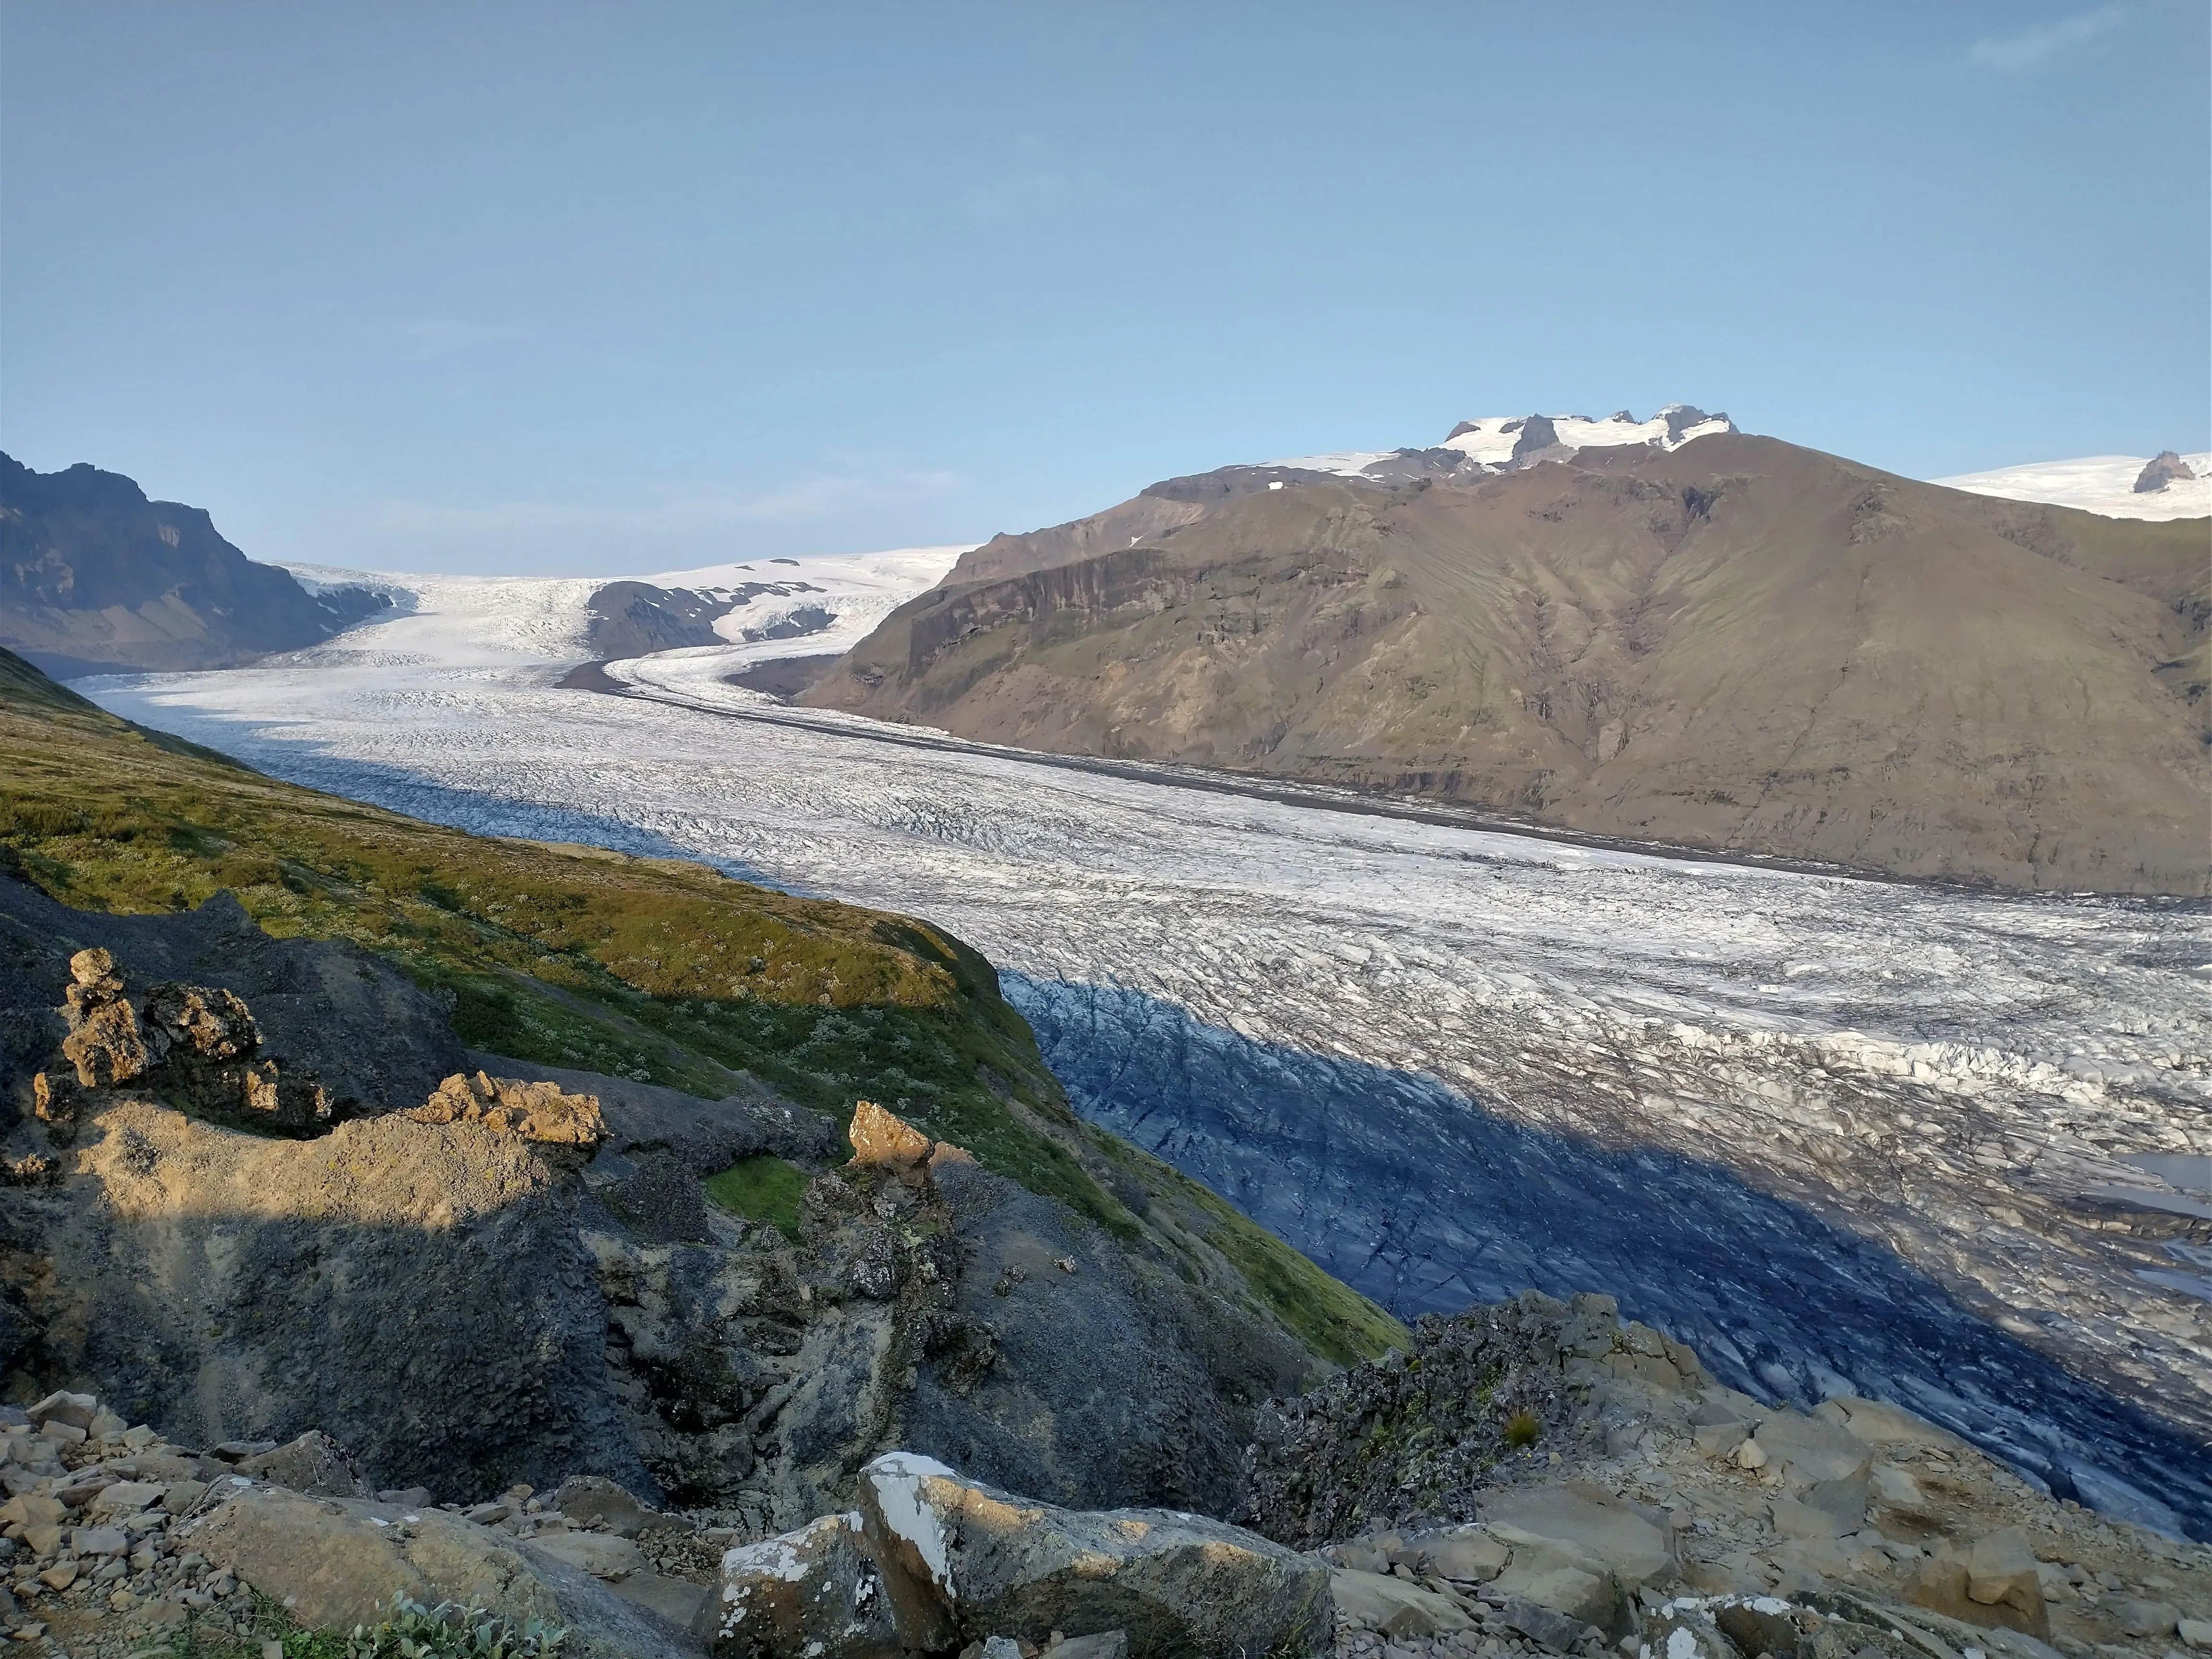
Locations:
{"points": [[1831, 1131]]}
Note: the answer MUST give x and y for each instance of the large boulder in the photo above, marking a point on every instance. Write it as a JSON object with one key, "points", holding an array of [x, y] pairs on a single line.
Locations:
{"points": [[817, 1591], [1810, 1450], [338, 1562], [1630, 1546], [1990, 1582], [1564, 1579], [984, 1562], [1393, 1606]]}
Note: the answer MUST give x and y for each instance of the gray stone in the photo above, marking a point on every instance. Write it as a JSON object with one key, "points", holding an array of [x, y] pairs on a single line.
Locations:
{"points": [[1636, 1551], [1794, 1520], [817, 1591], [595, 1500], [1544, 1625], [330, 1563], [990, 1563], [601, 1554], [314, 1464], [1467, 1554], [1106, 1644], [677, 1600], [1810, 1450], [76, 1410], [1556, 1575], [1393, 1606], [2139, 1617]]}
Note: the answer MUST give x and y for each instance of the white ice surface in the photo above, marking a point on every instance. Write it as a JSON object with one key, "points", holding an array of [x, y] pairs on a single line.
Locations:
{"points": [[1491, 444], [2097, 483], [1943, 1072]]}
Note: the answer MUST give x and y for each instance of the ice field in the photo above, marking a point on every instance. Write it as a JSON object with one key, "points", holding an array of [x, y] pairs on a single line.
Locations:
{"points": [[1946, 1147]]}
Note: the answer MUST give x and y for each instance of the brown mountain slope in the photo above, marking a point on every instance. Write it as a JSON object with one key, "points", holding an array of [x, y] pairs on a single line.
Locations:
{"points": [[1743, 645]]}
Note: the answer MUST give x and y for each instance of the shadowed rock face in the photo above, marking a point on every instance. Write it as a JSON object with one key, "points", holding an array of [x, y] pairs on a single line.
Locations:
{"points": [[1740, 645], [93, 576], [631, 619]]}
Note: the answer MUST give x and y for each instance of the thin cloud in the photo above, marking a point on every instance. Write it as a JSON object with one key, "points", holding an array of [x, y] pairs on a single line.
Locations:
{"points": [[2029, 48]]}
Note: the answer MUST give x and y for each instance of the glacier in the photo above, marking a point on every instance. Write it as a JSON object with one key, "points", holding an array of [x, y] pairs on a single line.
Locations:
{"points": [[1932, 1145]]}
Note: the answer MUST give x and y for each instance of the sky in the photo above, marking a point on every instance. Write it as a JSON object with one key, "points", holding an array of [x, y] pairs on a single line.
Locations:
{"points": [[572, 289]]}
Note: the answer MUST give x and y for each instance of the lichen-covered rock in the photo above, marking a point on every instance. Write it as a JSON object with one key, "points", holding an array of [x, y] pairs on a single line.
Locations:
{"points": [[817, 1591], [988, 1563], [338, 1563], [534, 1111]]}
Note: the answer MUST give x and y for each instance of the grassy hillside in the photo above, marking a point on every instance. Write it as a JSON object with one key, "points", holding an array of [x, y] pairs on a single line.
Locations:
{"points": [[1741, 645], [646, 967]]}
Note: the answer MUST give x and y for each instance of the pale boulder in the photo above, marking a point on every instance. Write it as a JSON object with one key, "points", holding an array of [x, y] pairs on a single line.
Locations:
{"points": [[988, 1563], [1631, 1548], [817, 1591], [1394, 1607], [339, 1562], [1809, 1450], [602, 1555]]}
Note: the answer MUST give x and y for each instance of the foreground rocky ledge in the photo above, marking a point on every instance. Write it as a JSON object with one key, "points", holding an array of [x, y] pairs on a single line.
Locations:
{"points": [[1652, 1515]]}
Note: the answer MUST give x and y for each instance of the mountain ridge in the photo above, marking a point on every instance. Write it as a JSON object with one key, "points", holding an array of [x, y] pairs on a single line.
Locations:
{"points": [[95, 577], [1504, 643]]}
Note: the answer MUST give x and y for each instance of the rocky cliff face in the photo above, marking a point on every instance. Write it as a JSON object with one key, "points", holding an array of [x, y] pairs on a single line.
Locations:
{"points": [[271, 1193], [1734, 645], [94, 577]]}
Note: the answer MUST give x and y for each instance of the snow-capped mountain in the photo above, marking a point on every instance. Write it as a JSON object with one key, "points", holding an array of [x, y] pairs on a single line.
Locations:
{"points": [[733, 614], [2099, 483], [1506, 443]]}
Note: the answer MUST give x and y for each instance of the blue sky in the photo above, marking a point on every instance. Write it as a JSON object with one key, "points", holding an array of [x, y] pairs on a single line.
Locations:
{"points": [[582, 288]]}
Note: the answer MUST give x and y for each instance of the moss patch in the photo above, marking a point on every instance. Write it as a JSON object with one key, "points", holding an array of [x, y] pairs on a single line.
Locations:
{"points": [[763, 1188], [1328, 1316]]}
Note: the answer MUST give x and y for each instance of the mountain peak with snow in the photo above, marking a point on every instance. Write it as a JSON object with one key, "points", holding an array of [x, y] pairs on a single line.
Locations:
{"points": [[1508, 443], [2116, 486]]}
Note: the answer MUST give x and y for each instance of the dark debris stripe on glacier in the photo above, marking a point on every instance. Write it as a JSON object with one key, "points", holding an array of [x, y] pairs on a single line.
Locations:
{"points": [[1417, 1196]]}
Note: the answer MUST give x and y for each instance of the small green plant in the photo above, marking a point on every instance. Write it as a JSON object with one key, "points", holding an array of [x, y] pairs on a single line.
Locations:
{"points": [[444, 1631], [763, 1188], [1523, 1430]]}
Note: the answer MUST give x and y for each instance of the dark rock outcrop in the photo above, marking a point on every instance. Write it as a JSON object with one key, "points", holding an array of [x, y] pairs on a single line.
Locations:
{"points": [[94, 577], [473, 1271], [2162, 468]]}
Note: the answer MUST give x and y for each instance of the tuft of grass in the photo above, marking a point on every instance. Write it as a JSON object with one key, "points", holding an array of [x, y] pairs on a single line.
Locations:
{"points": [[1523, 1430], [763, 1188]]}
